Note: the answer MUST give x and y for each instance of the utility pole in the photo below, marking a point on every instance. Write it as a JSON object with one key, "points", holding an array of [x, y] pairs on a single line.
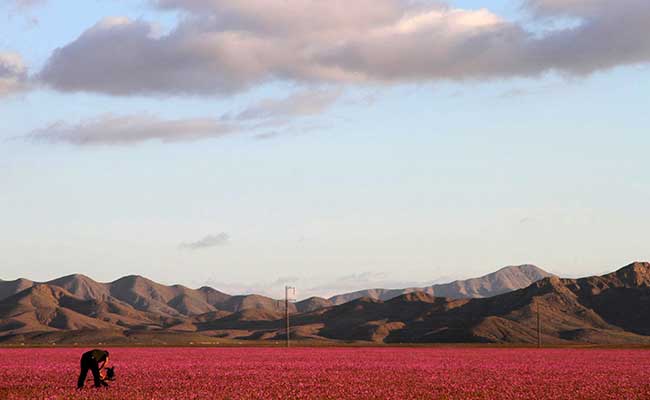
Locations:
{"points": [[286, 310], [539, 329]]}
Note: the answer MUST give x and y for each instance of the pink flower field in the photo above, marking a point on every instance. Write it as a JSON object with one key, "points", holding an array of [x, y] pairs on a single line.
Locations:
{"points": [[333, 373]]}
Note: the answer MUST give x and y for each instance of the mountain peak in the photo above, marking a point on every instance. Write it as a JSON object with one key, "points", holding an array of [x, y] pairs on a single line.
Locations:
{"points": [[135, 282], [636, 274], [531, 271], [70, 278], [9, 288], [414, 297], [550, 283], [131, 278], [19, 281], [518, 267], [81, 286]]}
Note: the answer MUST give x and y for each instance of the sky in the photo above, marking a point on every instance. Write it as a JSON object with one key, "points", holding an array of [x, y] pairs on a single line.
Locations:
{"points": [[329, 145]]}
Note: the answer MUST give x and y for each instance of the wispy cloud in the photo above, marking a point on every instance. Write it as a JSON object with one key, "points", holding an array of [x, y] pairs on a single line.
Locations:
{"points": [[130, 129], [299, 104], [264, 119], [24, 3], [209, 241]]}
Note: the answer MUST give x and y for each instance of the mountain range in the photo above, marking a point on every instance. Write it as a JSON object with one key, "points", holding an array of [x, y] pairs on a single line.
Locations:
{"points": [[504, 280], [609, 309]]}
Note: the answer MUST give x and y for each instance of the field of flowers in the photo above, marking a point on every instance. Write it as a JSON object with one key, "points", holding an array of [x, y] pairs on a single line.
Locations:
{"points": [[333, 373]]}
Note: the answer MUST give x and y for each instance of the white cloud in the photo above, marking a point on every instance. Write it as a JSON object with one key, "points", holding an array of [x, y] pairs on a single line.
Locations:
{"points": [[226, 46], [13, 73], [209, 241]]}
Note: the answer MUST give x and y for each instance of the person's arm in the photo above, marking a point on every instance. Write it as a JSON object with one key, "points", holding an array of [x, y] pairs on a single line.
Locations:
{"points": [[102, 369]]}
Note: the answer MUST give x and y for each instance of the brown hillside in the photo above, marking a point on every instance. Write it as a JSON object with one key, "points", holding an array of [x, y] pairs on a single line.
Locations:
{"points": [[9, 288]]}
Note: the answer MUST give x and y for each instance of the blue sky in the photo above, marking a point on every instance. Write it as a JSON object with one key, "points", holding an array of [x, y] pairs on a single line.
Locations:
{"points": [[333, 179]]}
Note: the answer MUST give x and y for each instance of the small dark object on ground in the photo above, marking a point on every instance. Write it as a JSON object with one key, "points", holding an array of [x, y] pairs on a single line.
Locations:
{"points": [[110, 374]]}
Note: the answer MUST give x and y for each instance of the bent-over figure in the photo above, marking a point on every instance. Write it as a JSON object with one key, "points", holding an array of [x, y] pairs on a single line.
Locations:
{"points": [[96, 361]]}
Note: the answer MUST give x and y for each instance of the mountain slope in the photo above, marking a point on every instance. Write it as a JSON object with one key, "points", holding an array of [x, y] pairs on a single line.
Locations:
{"points": [[312, 304], [81, 286], [43, 308], [145, 295], [9, 288], [505, 280]]}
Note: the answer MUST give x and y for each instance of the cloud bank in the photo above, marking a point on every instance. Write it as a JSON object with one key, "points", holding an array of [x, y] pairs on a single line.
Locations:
{"points": [[226, 46]]}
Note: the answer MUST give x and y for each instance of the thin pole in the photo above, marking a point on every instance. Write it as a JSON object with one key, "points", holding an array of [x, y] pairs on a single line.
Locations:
{"points": [[539, 329], [286, 311]]}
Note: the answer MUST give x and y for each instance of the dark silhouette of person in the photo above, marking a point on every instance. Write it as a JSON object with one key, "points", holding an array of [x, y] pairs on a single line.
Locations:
{"points": [[95, 361]]}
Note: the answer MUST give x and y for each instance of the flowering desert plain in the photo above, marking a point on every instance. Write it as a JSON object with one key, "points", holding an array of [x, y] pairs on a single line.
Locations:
{"points": [[334, 373]]}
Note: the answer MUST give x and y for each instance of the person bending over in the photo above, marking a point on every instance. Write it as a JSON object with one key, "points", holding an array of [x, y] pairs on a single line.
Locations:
{"points": [[96, 361]]}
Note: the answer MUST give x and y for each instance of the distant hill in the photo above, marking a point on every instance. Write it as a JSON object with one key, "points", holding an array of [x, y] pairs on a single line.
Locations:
{"points": [[504, 280], [608, 309], [612, 309], [148, 296], [8, 288]]}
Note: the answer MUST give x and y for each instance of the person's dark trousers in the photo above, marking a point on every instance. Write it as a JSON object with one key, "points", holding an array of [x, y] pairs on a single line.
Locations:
{"points": [[89, 363]]}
